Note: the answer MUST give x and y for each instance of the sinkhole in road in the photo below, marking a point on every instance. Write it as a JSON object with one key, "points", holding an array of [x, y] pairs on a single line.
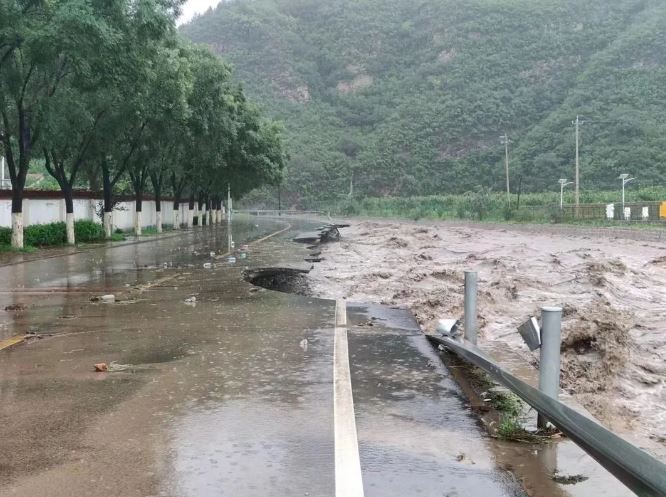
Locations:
{"points": [[280, 279]]}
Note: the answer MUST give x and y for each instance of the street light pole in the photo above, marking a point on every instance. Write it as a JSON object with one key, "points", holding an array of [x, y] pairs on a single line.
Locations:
{"points": [[563, 182], [625, 179], [577, 124], [505, 140]]}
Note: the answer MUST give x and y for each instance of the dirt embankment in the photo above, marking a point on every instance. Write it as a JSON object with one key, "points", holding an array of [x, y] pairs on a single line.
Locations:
{"points": [[613, 292]]}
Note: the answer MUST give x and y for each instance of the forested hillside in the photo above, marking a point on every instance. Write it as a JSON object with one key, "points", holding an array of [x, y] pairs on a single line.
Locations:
{"points": [[411, 96]]}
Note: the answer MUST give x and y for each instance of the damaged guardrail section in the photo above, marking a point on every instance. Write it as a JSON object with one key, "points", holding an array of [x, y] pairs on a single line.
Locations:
{"points": [[641, 473]]}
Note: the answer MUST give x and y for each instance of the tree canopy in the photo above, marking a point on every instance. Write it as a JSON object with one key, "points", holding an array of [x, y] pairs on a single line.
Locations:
{"points": [[106, 91], [411, 97]]}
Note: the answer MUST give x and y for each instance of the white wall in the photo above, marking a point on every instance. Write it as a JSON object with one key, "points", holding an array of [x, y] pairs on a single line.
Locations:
{"points": [[52, 210]]}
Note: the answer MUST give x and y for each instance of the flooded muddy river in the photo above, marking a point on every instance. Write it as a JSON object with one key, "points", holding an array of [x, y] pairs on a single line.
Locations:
{"points": [[613, 292]]}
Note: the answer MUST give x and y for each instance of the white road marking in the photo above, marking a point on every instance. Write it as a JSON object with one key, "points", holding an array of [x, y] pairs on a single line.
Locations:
{"points": [[348, 477]]}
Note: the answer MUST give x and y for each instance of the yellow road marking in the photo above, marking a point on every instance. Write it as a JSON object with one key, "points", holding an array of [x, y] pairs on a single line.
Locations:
{"points": [[5, 344]]}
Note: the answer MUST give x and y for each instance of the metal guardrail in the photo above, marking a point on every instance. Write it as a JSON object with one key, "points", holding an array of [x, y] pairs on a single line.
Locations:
{"points": [[640, 472], [276, 212]]}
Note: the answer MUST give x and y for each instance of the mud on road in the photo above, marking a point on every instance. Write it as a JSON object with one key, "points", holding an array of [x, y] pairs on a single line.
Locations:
{"points": [[613, 292]]}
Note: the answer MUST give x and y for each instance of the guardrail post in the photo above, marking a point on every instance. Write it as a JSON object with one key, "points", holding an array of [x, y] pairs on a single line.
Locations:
{"points": [[549, 361], [470, 306]]}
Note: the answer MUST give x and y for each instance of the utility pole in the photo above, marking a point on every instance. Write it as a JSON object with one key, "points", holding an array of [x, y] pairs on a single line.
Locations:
{"points": [[577, 124], [505, 140]]}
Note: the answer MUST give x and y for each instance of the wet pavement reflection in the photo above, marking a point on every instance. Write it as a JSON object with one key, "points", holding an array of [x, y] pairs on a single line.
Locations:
{"points": [[218, 387]]}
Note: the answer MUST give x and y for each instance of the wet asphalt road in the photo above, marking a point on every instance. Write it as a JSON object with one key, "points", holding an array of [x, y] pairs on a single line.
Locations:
{"points": [[232, 396]]}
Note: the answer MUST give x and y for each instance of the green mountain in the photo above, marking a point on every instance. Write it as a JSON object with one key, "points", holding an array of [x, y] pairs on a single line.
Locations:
{"points": [[411, 96]]}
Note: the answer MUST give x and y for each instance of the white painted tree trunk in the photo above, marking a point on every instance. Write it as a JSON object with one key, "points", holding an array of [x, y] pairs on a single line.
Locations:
{"points": [[216, 216], [176, 219], [69, 222], [158, 221], [190, 218], [108, 224], [17, 230], [137, 223], [210, 217]]}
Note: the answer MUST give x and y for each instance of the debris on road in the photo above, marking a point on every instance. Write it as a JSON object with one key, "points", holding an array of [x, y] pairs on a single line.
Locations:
{"points": [[106, 299], [16, 307], [191, 301], [114, 367], [208, 265], [568, 479], [101, 367]]}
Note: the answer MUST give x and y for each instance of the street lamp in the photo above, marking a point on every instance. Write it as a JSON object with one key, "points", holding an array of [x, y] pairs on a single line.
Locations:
{"points": [[563, 182], [625, 179]]}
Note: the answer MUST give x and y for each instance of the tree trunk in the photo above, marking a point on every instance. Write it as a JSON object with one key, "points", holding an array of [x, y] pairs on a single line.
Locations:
{"points": [[108, 200], [158, 211], [200, 211], [190, 213], [69, 215], [176, 218], [17, 217], [137, 214]]}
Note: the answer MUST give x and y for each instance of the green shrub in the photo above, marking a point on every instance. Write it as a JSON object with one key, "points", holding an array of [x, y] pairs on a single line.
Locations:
{"points": [[45, 235], [88, 232], [508, 212], [5, 236], [510, 428], [556, 215]]}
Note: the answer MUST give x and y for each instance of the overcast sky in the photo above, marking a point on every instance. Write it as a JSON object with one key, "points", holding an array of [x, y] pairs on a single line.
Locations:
{"points": [[193, 7]]}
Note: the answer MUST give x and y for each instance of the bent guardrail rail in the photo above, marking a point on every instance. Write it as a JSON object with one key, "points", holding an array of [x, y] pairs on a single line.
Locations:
{"points": [[640, 472]]}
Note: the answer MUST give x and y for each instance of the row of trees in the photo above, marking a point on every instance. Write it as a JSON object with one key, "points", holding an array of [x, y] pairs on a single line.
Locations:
{"points": [[105, 92]]}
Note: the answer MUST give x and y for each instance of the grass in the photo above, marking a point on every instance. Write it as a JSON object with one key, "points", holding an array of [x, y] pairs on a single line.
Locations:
{"points": [[152, 230], [485, 205], [25, 250], [510, 428], [507, 403], [117, 237]]}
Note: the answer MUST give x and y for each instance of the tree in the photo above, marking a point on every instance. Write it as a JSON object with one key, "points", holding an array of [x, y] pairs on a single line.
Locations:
{"points": [[45, 44]]}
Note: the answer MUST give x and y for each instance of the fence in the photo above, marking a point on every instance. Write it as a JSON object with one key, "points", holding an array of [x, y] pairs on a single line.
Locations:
{"points": [[41, 207], [634, 211]]}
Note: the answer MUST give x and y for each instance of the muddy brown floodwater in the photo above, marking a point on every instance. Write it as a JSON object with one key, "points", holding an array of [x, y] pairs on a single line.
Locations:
{"points": [[613, 292]]}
